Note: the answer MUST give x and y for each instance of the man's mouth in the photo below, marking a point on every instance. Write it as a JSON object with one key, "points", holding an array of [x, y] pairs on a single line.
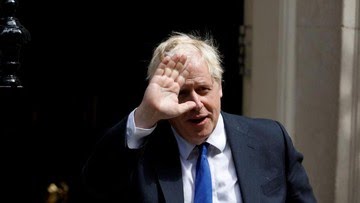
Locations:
{"points": [[197, 120]]}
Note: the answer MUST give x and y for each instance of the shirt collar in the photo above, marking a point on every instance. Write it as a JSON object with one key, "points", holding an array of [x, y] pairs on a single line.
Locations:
{"points": [[217, 139]]}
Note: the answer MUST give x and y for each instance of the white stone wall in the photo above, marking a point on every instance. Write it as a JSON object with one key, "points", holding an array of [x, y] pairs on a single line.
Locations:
{"points": [[318, 51], [307, 98]]}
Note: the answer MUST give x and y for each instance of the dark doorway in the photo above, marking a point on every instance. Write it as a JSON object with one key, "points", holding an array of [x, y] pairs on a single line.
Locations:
{"points": [[84, 69]]}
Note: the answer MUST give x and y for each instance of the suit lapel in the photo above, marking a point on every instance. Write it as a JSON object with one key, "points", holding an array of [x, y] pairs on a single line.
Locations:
{"points": [[244, 153], [168, 167]]}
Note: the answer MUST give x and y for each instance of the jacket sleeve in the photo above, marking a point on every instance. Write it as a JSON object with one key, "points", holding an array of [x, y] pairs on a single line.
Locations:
{"points": [[106, 175], [299, 189]]}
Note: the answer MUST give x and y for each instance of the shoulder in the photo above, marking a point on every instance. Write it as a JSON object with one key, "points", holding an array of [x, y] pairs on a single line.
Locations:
{"points": [[261, 129], [252, 123]]}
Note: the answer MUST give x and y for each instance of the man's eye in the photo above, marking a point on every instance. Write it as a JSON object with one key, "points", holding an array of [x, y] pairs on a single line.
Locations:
{"points": [[203, 90]]}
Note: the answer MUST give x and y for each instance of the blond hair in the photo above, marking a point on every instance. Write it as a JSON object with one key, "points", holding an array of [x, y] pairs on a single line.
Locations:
{"points": [[179, 43]]}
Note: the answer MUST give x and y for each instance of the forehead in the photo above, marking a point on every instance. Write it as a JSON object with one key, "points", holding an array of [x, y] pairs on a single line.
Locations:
{"points": [[197, 68], [198, 74], [195, 63]]}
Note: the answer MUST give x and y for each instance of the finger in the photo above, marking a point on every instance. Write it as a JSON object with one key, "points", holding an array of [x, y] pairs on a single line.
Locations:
{"points": [[161, 67], [175, 66], [184, 72], [174, 74], [169, 68], [179, 67], [183, 59], [175, 57], [166, 60], [180, 81], [182, 77], [160, 70]]}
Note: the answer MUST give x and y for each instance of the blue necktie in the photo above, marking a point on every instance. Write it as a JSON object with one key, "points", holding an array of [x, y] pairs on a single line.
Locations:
{"points": [[203, 188]]}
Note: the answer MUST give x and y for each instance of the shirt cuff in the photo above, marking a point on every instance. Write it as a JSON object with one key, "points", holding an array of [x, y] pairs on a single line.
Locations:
{"points": [[135, 137]]}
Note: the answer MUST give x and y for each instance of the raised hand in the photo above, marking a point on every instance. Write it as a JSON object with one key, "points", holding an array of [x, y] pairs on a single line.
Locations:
{"points": [[160, 100]]}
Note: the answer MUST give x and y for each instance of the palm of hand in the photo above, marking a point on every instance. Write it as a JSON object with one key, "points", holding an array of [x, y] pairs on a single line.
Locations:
{"points": [[161, 95], [162, 92]]}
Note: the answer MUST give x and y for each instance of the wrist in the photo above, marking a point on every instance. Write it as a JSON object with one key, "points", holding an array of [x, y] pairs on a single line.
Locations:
{"points": [[144, 117]]}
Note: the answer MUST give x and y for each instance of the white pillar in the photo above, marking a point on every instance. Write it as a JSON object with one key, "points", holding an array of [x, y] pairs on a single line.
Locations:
{"points": [[348, 160]]}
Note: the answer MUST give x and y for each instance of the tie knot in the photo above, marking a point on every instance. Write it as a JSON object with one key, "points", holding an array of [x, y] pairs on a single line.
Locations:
{"points": [[203, 149]]}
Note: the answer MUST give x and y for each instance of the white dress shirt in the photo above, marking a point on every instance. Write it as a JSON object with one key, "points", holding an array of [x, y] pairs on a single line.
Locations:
{"points": [[223, 174]]}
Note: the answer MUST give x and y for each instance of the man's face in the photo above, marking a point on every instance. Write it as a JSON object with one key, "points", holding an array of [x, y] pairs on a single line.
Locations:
{"points": [[196, 125]]}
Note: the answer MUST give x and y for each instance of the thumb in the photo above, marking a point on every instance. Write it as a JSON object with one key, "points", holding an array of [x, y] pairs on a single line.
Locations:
{"points": [[187, 106]]}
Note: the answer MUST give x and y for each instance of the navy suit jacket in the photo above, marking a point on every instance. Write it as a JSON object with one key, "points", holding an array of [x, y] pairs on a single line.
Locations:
{"points": [[268, 167]]}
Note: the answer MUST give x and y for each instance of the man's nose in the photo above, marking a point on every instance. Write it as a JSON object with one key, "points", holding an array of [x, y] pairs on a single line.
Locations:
{"points": [[196, 98]]}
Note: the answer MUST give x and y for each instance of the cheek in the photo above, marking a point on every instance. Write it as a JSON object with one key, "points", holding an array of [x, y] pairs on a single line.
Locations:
{"points": [[216, 96], [212, 102]]}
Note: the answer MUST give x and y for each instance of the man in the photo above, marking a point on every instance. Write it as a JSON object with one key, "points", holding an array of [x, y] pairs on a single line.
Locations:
{"points": [[152, 155]]}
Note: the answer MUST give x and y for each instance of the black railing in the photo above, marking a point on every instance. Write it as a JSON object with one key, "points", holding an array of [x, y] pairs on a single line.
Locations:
{"points": [[12, 37]]}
